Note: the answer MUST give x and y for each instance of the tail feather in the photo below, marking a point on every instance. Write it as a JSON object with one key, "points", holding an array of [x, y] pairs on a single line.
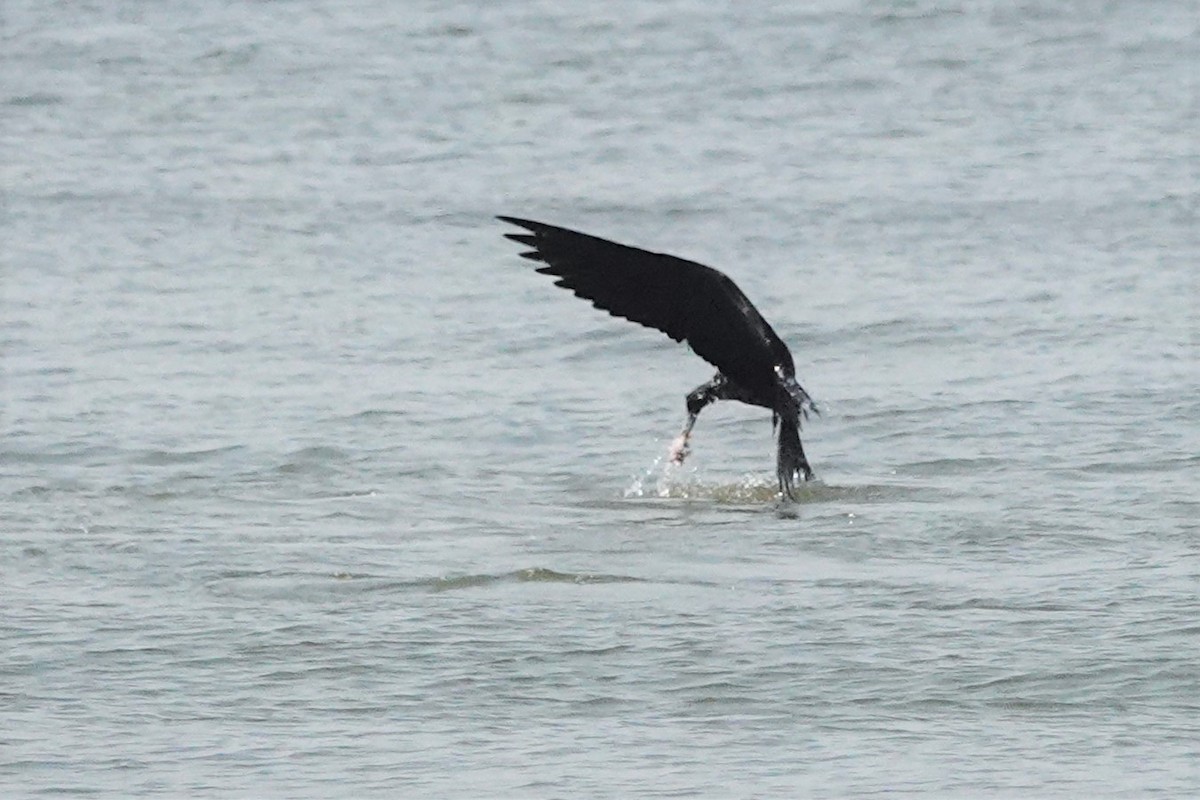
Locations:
{"points": [[791, 465]]}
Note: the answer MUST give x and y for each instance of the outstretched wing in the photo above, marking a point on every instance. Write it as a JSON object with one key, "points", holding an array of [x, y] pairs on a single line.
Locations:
{"points": [[685, 300]]}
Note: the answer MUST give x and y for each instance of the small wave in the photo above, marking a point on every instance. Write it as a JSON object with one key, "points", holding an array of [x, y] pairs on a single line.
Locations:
{"points": [[528, 575], [956, 466], [35, 99], [173, 457], [318, 454], [368, 415], [280, 585]]}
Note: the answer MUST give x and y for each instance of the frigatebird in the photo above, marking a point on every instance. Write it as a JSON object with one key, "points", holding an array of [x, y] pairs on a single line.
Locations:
{"points": [[688, 302]]}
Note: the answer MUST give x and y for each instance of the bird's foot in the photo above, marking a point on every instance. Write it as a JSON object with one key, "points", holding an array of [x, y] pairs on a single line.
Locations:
{"points": [[679, 449]]}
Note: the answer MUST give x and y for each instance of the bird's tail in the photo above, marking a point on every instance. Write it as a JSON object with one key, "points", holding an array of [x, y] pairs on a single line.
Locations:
{"points": [[792, 465]]}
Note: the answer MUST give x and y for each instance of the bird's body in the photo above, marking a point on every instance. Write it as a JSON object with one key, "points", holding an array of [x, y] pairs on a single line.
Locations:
{"points": [[688, 302]]}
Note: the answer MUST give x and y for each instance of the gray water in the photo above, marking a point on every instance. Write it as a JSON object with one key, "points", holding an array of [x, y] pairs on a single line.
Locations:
{"points": [[310, 487]]}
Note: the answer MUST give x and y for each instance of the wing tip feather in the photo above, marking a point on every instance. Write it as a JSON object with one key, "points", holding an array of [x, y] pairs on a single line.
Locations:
{"points": [[527, 224]]}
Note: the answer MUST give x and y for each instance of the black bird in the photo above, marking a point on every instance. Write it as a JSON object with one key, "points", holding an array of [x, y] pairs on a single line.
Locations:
{"points": [[692, 302]]}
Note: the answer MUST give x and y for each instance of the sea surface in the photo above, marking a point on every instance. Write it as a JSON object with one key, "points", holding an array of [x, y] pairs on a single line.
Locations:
{"points": [[311, 488]]}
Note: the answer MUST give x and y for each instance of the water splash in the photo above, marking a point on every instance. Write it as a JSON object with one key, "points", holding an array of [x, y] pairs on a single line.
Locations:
{"points": [[659, 478], [666, 479]]}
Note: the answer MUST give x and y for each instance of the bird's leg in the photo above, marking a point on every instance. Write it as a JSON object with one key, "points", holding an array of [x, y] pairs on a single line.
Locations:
{"points": [[679, 445], [697, 399]]}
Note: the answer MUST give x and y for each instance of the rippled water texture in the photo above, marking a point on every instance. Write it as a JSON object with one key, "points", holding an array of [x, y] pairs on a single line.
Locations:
{"points": [[310, 487]]}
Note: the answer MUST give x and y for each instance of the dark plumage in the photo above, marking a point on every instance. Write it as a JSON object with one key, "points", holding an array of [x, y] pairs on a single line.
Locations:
{"points": [[688, 302]]}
